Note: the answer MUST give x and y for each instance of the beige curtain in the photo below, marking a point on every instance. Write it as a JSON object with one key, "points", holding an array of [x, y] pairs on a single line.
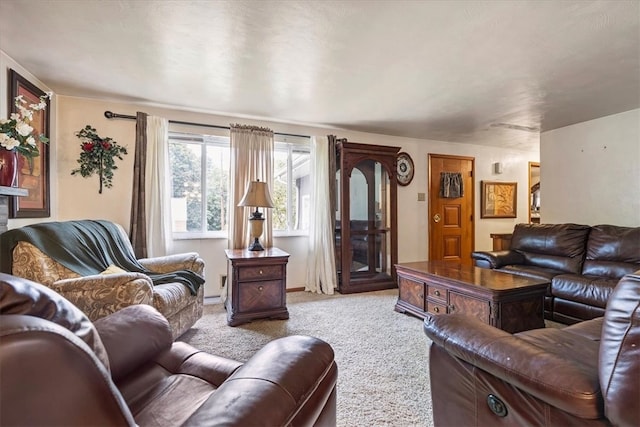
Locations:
{"points": [[321, 261], [158, 188], [251, 159]]}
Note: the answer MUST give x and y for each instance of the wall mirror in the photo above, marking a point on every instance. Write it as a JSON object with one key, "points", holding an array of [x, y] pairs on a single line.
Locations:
{"points": [[534, 192]]}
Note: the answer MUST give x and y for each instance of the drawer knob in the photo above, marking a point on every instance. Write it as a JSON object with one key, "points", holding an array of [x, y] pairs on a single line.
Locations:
{"points": [[260, 288], [437, 293], [260, 271], [436, 309]]}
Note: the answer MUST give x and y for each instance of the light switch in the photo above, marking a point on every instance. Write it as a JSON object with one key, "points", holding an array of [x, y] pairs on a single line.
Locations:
{"points": [[421, 197]]}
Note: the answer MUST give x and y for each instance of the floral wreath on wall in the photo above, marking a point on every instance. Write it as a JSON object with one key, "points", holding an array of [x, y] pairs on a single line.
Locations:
{"points": [[98, 155]]}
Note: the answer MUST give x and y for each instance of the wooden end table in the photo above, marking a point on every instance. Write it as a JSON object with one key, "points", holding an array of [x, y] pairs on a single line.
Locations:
{"points": [[510, 302], [258, 281]]}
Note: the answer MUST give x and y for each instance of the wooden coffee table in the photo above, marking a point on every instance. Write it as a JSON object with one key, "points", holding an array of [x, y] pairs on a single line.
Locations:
{"points": [[507, 301]]}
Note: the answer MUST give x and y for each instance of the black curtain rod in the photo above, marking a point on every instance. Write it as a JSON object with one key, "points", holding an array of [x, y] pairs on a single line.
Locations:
{"points": [[112, 115]]}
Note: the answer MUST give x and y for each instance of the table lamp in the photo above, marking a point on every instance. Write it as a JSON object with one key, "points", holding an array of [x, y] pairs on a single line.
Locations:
{"points": [[257, 195]]}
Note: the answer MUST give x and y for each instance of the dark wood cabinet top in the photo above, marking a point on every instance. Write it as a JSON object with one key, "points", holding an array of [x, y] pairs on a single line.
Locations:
{"points": [[471, 276], [234, 254]]}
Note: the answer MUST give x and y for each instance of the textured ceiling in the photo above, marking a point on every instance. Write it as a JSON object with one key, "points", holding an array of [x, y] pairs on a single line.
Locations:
{"points": [[486, 72]]}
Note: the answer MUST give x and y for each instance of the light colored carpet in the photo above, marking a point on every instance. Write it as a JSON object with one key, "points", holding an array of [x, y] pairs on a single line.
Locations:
{"points": [[382, 356]]}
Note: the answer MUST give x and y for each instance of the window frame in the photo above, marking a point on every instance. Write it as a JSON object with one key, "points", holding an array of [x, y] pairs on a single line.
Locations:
{"points": [[281, 142]]}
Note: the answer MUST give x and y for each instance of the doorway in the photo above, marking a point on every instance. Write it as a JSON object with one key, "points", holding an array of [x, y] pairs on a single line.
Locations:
{"points": [[534, 192], [451, 221]]}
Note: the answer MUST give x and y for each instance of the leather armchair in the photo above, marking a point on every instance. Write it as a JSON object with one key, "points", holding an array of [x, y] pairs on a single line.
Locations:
{"points": [[59, 368], [585, 374]]}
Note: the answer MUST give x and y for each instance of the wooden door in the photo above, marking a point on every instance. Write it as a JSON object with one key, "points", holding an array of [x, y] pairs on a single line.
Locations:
{"points": [[451, 222]]}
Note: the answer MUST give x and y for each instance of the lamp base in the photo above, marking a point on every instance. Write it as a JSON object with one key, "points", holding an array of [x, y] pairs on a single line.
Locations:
{"points": [[255, 246]]}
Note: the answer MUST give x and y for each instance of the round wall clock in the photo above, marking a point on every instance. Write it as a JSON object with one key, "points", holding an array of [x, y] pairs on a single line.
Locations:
{"points": [[404, 168]]}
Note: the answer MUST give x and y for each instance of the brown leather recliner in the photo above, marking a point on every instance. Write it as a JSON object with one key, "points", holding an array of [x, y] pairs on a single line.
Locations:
{"points": [[58, 368], [585, 374]]}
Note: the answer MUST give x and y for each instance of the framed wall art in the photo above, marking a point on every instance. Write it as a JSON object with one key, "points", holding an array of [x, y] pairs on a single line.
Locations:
{"points": [[499, 199], [33, 174]]}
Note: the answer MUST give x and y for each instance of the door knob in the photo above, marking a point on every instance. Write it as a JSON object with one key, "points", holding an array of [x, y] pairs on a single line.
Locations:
{"points": [[436, 218]]}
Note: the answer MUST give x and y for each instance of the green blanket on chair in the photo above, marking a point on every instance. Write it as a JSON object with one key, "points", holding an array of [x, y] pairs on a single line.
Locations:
{"points": [[87, 247]]}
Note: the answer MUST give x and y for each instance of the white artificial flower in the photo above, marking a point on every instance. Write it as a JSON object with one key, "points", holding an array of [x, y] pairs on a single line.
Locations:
{"points": [[23, 129], [15, 116], [20, 99], [9, 143], [31, 141], [27, 114], [3, 121]]}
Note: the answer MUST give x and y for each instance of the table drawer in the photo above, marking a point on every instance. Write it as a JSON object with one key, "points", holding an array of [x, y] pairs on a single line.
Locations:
{"points": [[256, 296], [436, 307], [436, 292], [266, 272]]}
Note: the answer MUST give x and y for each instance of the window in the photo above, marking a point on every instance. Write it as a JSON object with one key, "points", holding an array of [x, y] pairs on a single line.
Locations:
{"points": [[194, 215], [189, 156], [291, 187]]}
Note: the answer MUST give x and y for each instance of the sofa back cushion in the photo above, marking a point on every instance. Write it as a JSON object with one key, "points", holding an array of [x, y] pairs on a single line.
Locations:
{"points": [[22, 296], [556, 246], [619, 360], [612, 251]]}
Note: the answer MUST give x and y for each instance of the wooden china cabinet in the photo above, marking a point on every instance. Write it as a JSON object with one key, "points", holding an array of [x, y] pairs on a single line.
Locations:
{"points": [[366, 217]]}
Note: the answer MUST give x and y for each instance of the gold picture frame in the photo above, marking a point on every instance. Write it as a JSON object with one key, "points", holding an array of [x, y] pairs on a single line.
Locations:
{"points": [[499, 199]]}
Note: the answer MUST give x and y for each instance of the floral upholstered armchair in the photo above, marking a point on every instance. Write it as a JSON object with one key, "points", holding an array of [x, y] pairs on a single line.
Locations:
{"points": [[110, 278]]}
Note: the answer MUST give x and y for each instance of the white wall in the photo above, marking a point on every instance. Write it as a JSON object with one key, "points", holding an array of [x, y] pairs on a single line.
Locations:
{"points": [[79, 198], [590, 171]]}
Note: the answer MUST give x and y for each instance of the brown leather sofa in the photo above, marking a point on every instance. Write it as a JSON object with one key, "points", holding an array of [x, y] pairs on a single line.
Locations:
{"points": [[586, 374], [582, 264], [59, 368]]}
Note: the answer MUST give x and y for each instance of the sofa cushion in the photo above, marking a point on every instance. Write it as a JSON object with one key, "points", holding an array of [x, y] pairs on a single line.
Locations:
{"points": [[590, 290], [170, 298], [531, 271], [552, 246], [612, 251]]}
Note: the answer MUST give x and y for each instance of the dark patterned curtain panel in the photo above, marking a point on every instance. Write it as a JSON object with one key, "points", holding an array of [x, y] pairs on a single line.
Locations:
{"points": [[138, 226], [332, 178]]}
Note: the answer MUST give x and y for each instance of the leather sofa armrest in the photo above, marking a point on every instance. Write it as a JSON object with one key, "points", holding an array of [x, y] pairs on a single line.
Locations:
{"points": [[102, 294], [128, 348], [550, 378], [497, 259], [49, 376], [167, 264], [287, 382]]}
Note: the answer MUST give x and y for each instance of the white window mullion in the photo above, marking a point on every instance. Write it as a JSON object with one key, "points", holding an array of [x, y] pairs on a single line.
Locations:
{"points": [[203, 187], [290, 209]]}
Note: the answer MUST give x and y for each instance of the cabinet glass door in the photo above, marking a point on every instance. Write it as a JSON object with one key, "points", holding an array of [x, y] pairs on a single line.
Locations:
{"points": [[369, 220]]}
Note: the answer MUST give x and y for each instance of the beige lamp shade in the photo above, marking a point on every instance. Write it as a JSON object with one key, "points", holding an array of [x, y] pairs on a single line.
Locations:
{"points": [[257, 195]]}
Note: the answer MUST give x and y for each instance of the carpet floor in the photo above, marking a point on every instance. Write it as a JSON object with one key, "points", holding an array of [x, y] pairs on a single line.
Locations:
{"points": [[382, 356]]}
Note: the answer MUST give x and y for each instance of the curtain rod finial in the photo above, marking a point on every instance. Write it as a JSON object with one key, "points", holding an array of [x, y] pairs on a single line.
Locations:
{"points": [[108, 114]]}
